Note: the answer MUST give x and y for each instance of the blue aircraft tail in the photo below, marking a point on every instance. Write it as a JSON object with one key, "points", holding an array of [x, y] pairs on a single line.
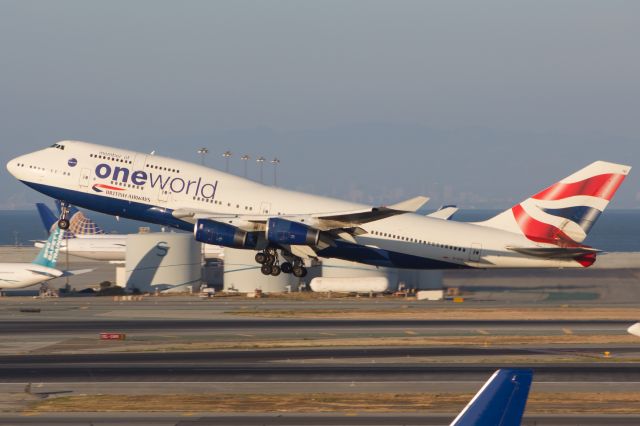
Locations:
{"points": [[500, 402], [49, 220], [48, 255]]}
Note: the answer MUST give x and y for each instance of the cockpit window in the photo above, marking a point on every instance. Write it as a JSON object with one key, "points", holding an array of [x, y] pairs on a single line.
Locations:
{"points": [[57, 146]]}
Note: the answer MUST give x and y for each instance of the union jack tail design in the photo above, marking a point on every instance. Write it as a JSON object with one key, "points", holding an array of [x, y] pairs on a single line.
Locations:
{"points": [[564, 213]]}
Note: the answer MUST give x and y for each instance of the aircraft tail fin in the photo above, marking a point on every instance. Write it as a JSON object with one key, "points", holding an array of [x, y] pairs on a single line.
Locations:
{"points": [[48, 255], [49, 220], [79, 223], [500, 402], [564, 213]]}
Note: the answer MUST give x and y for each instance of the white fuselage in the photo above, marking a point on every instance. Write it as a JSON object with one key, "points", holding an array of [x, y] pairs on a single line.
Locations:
{"points": [[21, 275], [96, 247], [150, 187], [110, 247]]}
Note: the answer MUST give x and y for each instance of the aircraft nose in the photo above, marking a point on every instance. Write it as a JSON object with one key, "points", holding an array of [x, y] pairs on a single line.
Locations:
{"points": [[12, 166]]}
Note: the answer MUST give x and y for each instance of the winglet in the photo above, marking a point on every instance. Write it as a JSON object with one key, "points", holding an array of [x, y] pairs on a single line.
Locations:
{"points": [[501, 401], [444, 212], [410, 205]]}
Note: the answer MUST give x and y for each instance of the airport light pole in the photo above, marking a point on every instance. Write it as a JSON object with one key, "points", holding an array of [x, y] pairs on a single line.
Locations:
{"points": [[275, 163], [202, 152], [227, 155], [260, 162], [245, 159]]}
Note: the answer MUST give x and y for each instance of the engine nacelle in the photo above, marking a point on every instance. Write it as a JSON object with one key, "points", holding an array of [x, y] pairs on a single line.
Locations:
{"points": [[282, 231], [212, 232]]}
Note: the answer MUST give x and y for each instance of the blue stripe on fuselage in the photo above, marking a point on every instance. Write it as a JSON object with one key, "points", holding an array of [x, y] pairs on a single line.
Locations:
{"points": [[378, 257], [161, 216], [113, 206]]}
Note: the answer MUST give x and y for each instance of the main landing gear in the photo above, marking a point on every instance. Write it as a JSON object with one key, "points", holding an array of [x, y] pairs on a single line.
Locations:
{"points": [[63, 223], [271, 265]]}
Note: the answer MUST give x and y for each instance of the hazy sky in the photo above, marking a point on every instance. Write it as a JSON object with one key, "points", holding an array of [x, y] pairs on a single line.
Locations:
{"points": [[477, 103]]}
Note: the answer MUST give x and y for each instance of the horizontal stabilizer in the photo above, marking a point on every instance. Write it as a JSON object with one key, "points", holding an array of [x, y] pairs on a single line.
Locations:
{"points": [[76, 272], [555, 252], [44, 273]]}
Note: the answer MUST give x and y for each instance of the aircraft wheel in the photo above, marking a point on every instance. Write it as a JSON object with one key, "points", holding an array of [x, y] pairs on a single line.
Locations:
{"points": [[286, 267], [275, 270], [271, 259], [266, 269], [63, 224], [299, 271], [261, 258]]}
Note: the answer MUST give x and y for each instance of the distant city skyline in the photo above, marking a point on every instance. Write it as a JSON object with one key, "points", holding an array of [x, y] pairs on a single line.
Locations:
{"points": [[480, 104]]}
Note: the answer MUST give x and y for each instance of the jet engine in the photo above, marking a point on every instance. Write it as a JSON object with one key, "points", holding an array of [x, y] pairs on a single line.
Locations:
{"points": [[282, 231], [212, 232]]}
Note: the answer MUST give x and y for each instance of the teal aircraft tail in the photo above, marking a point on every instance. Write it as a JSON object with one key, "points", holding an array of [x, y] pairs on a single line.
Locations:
{"points": [[48, 255]]}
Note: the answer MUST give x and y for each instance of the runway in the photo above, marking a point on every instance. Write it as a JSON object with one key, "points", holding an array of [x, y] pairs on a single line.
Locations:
{"points": [[266, 366], [189, 347], [191, 419], [37, 325], [296, 354]]}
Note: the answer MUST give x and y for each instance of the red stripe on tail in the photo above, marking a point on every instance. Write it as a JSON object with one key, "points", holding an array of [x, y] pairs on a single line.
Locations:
{"points": [[601, 186], [540, 232]]}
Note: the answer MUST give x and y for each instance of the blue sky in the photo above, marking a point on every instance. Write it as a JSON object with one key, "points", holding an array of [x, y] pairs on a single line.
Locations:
{"points": [[475, 103]]}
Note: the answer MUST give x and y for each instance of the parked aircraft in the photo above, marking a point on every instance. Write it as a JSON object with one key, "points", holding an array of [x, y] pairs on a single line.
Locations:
{"points": [[41, 270], [544, 231], [500, 402], [85, 238]]}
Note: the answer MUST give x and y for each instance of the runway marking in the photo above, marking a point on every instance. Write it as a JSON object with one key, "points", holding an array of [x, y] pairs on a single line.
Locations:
{"points": [[410, 332], [481, 331], [567, 330], [245, 335]]}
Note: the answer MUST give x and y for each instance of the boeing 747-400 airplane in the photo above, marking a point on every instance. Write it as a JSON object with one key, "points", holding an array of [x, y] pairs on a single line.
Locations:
{"points": [[544, 231]]}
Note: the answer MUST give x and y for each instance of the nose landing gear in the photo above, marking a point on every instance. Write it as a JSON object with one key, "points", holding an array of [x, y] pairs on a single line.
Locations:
{"points": [[63, 223]]}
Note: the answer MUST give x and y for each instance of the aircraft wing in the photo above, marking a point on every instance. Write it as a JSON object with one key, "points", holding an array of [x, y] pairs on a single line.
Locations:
{"points": [[322, 221], [338, 225], [357, 217], [444, 212], [501, 401]]}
